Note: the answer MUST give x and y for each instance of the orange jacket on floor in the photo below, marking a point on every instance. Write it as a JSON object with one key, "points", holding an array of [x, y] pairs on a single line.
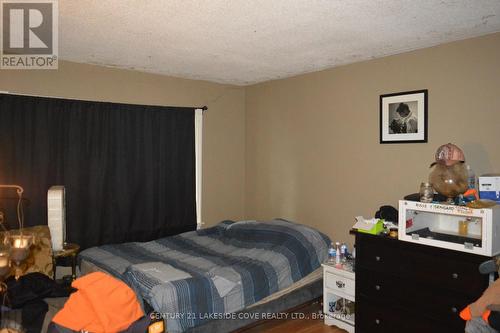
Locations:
{"points": [[102, 304]]}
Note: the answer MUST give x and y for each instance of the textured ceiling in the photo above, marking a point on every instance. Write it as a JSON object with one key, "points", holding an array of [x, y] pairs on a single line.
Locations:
{"points": [[248, 41]]}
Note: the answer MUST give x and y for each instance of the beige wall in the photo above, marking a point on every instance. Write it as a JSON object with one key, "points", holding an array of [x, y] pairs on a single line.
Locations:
{"points": [[312, 141], [306, 148], [224, 147]]}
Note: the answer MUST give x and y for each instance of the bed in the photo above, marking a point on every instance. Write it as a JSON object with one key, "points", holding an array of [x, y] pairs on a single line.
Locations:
{"points": [[200, 277]]}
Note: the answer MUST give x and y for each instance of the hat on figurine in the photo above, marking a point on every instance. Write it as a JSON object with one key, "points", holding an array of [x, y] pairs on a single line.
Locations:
{"points": [[449, 154]]}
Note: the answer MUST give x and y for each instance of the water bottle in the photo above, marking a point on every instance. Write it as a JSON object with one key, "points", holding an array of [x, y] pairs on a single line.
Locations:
{"points": [[471, 178], [331, 253], [343, 253], [338, 252]]}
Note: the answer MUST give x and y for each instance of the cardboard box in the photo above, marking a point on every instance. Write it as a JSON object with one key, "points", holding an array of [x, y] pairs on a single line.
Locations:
{"points": [[489, 187]]}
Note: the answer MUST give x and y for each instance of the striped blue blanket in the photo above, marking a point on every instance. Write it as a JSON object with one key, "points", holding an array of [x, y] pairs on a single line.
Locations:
{"points": [[209, 273]]}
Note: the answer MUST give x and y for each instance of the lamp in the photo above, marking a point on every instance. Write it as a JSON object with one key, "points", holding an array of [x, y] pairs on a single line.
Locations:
{"points": [[16, 245]]}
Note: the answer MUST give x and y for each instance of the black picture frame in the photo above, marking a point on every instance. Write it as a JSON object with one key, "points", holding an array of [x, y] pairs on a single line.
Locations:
{"points": [[404, 117]]}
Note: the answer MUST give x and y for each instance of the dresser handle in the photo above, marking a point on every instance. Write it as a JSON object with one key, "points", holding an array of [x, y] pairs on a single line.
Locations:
{"points": [[454, 275], [340, 284], [377, 321], [377, 258], [454, 310], [377, 287]]}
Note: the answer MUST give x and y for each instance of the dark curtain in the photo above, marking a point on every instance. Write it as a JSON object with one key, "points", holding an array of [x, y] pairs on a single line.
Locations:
{"points": [[129, 170]]}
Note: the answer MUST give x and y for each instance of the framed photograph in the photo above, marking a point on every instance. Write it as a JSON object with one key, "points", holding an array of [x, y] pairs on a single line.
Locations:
{"points": [[403, 117]]}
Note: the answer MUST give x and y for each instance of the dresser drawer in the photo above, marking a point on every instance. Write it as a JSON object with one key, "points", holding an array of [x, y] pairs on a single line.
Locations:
{"points": [[339, 283], [452, 272], [447, 269], [373, 317], [407, 287], [379, 255], [420, 297]]}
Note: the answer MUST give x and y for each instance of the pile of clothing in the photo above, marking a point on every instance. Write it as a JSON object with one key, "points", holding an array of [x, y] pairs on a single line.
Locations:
{"points": [[97, 303], [23, 306], [100, 304]]}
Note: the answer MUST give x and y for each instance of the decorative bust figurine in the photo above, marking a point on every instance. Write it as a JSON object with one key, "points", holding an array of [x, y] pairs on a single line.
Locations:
{"points": [[449, 176]]}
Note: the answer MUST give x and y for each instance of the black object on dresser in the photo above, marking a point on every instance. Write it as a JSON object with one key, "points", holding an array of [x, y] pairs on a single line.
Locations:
{"points": [[407, 287]]}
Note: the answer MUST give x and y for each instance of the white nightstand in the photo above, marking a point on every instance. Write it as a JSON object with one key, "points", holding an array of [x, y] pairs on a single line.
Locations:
{"points": [[338, 297]]}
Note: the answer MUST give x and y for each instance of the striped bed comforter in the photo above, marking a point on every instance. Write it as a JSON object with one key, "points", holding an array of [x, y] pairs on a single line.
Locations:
{"points": [[206, 274]]}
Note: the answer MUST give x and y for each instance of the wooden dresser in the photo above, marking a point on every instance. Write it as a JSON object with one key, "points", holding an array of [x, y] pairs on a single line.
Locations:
{"points": [[406, 287]]}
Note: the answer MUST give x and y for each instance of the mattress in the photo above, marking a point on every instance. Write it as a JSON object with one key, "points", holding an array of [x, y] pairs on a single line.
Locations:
{"points": [[88, 267], [206, 274]]}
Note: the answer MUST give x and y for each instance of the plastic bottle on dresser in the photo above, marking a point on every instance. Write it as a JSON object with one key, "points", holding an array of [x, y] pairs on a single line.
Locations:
{"points": [[471, 177], [331, 253], [343, 252], [338, 258]]}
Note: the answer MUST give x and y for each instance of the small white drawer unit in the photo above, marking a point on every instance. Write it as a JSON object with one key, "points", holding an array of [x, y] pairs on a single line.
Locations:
{"points": [[338, 297]]}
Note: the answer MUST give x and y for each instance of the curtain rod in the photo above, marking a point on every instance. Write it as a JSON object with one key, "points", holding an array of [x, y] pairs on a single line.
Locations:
{"points": [[204, 107]]}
